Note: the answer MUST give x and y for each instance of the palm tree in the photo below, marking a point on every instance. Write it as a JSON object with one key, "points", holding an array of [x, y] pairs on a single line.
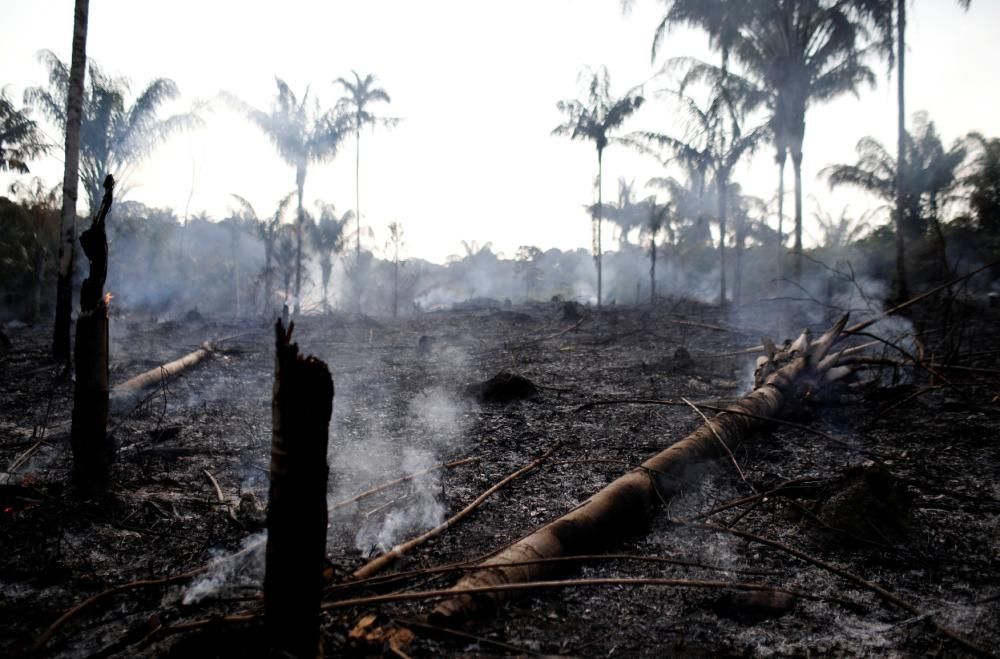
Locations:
{"points": [[594, 119], [360, 94], [302, 135], [628, 214], [930, 172], [889, 19], [327, 237], [794, 53], [715, 143], [71, 174], [393, 246], [983, 181], [658, 217], [267, 231], [114, 136], [286, 256], [20, 137]]}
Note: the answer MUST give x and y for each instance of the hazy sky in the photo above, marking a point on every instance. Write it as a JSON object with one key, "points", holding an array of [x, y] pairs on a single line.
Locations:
{"points": [[476, 84]]}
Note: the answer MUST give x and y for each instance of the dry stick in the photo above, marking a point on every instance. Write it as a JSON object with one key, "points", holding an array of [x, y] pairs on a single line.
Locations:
{"points": [[47, 635], [383, 561], [556, 335], [725, 446], [903, 401], [567, 583], [885, 594], [467, 566], [166, 581], [528, 585], [403, 479], [753, 497], [215, 483], [730, 410], [899, 307], [435, 629], [222, 498]]}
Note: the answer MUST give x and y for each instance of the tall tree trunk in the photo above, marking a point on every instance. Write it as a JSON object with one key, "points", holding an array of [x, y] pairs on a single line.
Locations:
{"points": [[901, 289], [395, 286], [782, 157], [721, 184], [741, 235], [326, 286], [92, 448], [597, 225], [797, 167], [71, 178], [300, 183], [297, 511], [34, 302], [357, 187], [652, 270], [268, 274]]}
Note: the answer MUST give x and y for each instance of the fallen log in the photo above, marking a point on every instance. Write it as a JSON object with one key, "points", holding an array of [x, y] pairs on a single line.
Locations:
{"points": [[626, 504], [130, 392]]}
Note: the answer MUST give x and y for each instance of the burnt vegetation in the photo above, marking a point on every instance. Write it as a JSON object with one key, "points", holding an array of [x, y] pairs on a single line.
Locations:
{"points": [[272, 436]]}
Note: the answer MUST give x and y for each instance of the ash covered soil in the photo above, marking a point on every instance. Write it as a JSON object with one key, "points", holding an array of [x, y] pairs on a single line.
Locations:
{"points": [[901, 488]]}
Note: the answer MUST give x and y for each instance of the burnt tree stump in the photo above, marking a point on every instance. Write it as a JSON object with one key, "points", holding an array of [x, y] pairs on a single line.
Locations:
{"points": [[297, 513], [93, 450]]}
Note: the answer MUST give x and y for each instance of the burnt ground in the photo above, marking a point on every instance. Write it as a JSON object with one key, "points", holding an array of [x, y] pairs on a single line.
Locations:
{"points": [[928, 530]]}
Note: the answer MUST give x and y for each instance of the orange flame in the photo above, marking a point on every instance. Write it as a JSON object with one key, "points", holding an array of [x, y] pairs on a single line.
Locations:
{"points": [[108, 297]]}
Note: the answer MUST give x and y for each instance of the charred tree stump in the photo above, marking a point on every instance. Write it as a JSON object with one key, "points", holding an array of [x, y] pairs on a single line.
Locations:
{"points": [[93, 450], [626, 504], [297, 513]]}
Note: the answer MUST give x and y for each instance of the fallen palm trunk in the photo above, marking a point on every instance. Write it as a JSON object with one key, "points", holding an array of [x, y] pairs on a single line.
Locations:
{"points": [[626, 504], [130, 392], [297, 512], [93, 450]]}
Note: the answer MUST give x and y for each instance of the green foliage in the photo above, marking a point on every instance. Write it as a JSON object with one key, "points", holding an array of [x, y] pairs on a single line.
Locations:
{"points": [[593, 119], [115, 136], [931, 175], [984, 183], [20, 138]]}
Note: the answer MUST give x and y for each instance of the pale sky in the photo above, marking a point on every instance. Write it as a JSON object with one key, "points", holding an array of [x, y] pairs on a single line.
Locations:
{"points": [[476, 85]]}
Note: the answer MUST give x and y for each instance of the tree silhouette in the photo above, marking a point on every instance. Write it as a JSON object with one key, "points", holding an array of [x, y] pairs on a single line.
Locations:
{"points": [[794, 53], [20, 138], [114, 136], [327, 236], [627, 214], [983, 182], [889, 19], [71, 175], [286, 256], [302, 134], [593, 119], [658, 218], [929, 173], [267, 231], [361, 94], [714, 143], [393, 247]]}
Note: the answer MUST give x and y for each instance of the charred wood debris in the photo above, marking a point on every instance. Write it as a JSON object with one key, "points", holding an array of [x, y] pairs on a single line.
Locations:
{"points": [[641, 481]]}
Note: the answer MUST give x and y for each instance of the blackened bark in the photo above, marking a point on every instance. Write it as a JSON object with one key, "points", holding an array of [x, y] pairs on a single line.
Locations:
{"points": [[93, 450], [297, 513]]}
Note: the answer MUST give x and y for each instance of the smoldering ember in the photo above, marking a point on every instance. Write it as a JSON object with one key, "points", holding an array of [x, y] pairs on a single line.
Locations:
{"points": [[668, 399]]}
